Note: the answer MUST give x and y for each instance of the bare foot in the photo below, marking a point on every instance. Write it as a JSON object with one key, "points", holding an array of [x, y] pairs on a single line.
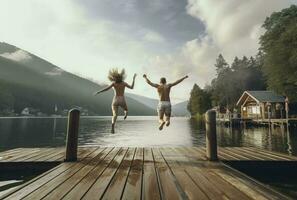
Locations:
{"points": [[126, 115], [161, 126], [167, 123], [112, 128]]}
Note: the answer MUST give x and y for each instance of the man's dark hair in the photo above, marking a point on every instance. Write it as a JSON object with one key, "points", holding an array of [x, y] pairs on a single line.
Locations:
{"points": [[163, 80]]}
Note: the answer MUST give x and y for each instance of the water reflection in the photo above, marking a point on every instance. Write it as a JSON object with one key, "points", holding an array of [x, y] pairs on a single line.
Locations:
{"points": [[278, 139], [139, 131]]}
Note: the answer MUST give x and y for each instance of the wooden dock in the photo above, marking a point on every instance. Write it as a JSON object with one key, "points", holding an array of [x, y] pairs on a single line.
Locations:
{"points": [[141, 173]]}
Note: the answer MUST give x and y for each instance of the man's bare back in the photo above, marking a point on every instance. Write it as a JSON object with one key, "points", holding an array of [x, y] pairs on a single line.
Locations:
{"points": [[164, 92]]}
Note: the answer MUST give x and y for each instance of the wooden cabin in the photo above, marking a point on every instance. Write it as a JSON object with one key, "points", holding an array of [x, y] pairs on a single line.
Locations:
{"points": [[261, 105]]}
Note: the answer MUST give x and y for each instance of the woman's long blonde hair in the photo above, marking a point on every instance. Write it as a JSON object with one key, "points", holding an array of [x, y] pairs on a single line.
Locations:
{"points": [[115, 76]]}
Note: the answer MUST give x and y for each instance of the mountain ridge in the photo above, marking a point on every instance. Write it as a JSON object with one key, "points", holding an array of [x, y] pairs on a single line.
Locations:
{"points": [[35, 82]]}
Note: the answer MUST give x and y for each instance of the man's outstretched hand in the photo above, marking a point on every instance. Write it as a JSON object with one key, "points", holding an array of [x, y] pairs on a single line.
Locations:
{"points": [[134, 76], [144, 76]]}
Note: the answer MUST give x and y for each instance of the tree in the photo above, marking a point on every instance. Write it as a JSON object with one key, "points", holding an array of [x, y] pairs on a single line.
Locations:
{"points": [[6, 100], [279, 46], [230, 83], [221, 64], [199, 101]]}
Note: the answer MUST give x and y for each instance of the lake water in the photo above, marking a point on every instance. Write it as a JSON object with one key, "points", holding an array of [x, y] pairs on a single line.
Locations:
{"points": [[135, 131], [138, 131]]}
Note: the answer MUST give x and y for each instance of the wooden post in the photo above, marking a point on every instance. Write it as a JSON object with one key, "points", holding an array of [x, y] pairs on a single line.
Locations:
{"points": [[72, 135], [211, 135], [287, 110]]}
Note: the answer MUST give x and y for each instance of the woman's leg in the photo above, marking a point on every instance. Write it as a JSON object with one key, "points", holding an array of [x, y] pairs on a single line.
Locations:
{"points": [[125, 108], [114, 117]]}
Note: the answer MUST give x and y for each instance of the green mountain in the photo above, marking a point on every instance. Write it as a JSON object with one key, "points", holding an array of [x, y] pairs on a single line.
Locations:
{"points": [[180, 109], [29, 81]]}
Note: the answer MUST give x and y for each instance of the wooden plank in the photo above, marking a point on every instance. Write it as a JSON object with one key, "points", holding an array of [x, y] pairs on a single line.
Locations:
{"points": [[168, 184], [227, 156], [234, 150], [272, 154], [41, 192], [219, 184], [52, 184], [249, 190], [251, 155], [86, 183], [57, 155], [25, 189], [198, 155], [224, 187], [191, 190], [150, 187], [258, 155], [234, 154], [10, 152], [205, 185], [117, 184], [32, 156], [23, 153], [133, 187], [98, 188], [61, 190]]}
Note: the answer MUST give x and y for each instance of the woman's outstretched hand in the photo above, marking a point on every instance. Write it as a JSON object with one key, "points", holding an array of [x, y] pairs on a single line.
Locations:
{"points": [[95, 93], [144, 76]]}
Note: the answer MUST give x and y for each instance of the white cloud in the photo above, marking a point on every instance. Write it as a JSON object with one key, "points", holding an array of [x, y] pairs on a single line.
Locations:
{"points": [[233, 28], [18, 56], [152, 36], [55, 72], [62, 33]]}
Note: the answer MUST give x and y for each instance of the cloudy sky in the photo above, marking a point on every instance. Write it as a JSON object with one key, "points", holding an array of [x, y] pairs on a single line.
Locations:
{"points": [[168, 38]]}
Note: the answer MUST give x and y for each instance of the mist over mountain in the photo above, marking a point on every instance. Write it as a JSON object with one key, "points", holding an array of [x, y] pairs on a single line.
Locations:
{"points": [[179, 109], [27, 81]]}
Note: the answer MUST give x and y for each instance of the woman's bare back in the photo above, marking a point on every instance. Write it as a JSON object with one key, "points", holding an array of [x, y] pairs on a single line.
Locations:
{"points": [[119, 88]]}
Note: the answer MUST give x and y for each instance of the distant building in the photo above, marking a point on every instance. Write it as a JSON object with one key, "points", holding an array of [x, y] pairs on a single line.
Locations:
{"points": [[261, 105], [25, 111]]}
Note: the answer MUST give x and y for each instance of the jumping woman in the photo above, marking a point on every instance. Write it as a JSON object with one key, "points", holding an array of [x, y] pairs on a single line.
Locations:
{"points": [[117, 78]]}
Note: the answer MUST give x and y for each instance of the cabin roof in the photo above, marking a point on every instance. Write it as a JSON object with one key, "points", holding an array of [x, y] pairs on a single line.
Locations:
{"points": [[261, 96]]}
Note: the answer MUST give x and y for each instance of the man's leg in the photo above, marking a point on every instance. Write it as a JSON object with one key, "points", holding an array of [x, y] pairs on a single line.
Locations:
{"points": [[161, 119], [168, 115], [167, 120], [114, 117]]}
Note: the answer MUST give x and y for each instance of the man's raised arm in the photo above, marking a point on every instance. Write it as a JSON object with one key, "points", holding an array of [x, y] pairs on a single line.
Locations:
{"points": [[149, 82], [178, 81]]}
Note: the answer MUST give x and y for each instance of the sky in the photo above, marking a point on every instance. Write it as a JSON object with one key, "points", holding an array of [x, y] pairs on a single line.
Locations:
{"points": [[162, 38]]}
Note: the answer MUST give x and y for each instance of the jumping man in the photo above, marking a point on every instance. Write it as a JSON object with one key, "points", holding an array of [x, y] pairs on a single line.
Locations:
{"points": [[164, 106], [117, 78]]}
